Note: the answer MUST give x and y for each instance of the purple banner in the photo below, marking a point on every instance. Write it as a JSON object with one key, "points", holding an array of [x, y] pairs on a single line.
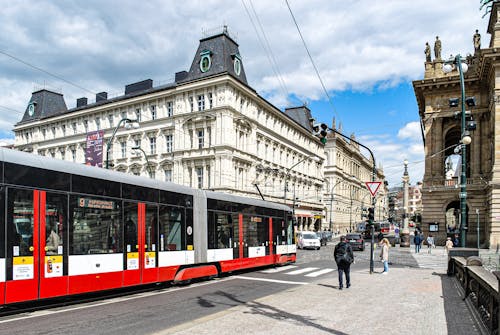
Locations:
{"points": [[93, 152]]}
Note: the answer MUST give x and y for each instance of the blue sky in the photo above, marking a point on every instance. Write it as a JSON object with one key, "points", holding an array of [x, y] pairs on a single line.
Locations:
{"points": [[367, 53]]}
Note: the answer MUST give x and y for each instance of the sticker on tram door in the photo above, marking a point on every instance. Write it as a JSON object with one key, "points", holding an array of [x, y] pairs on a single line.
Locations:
{"points": [[149, 259], [53, 266], [23, 268], [132, 260]]}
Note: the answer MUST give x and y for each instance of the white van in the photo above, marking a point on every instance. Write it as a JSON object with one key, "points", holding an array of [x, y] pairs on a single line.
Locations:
{"points": [[308, 240]]}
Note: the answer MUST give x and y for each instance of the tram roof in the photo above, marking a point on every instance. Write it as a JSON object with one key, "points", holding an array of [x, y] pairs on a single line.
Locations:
{"points": [[49, 163], [244, 200]]}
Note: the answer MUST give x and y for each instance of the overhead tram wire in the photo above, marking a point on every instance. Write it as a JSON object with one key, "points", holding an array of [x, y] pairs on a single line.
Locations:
{"points": [[273, 65], [46, 72], [310, 57]]}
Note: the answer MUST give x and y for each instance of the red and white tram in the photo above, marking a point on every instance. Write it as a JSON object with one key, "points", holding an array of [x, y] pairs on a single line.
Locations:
{"points": [[70, 229]]}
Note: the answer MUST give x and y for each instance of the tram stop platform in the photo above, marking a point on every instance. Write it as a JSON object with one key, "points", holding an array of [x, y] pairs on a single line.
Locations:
{"points": [[405, 301]]}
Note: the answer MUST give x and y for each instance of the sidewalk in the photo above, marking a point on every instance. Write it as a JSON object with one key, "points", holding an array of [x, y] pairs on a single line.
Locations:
{"points": [[406, 301]]}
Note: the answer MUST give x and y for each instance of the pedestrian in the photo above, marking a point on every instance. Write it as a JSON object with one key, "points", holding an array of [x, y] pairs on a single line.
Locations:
{"points": [[344, 257], [384, 254], [448, 245], [456, 242], [417, 240], [430, 243]]}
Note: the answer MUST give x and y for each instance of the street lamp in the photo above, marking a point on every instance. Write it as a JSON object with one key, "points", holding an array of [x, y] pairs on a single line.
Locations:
{"points": [[466, 139], [138, 148], [128, 124], [330, 223], [314, 158], [405, 231]]}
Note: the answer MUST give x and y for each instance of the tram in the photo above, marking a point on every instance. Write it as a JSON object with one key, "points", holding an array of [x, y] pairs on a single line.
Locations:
{"points": [[70, 229]]}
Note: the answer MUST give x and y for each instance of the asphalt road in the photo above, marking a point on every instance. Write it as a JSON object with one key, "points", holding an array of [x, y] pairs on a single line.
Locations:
{"points": [[150, 312]]}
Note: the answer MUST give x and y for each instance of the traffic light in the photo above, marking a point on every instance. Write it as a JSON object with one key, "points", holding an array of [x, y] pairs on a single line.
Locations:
{"points": [[371, 214], [320, 130]]}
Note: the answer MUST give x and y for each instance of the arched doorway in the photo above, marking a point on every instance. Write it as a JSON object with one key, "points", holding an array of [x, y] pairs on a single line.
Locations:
{"points": [[453, 217]]}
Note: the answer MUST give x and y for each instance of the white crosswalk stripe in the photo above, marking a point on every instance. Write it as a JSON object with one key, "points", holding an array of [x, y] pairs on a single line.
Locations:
{"points": [[319, 273], [279, 269], [300, 271]]}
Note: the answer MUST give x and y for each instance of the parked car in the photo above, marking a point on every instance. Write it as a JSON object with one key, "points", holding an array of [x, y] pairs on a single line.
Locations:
{"points": [[325, 236], [308, 240], [356, 241]]}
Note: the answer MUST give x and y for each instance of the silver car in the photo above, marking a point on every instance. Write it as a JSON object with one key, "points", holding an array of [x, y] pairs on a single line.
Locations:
{"points": [[308, 240]]}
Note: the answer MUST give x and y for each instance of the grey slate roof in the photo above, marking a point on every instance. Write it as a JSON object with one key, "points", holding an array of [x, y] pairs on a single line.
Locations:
{"points": [[47, 104], [223, 50], [301, 115]]}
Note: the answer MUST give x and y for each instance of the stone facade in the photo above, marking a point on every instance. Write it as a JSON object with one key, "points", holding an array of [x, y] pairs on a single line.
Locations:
{"points": [[346, 172], [208, 130], [442, 132]]}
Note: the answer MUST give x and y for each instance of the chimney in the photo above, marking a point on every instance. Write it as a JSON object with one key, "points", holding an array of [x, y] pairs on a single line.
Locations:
{"points": [[101, 96], [180, 76], [81, 102], [139, 86]]}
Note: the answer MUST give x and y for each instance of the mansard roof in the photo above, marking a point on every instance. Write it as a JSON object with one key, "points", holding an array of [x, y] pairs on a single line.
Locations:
{"points": [[45, 104]]}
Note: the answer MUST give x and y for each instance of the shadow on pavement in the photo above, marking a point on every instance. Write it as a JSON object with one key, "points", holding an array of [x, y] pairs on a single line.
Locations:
{"points": [[276, 313], [458, 317]]}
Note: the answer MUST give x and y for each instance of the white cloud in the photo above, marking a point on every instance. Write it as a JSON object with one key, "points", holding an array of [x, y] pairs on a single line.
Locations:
{"points": [[411, 131]]}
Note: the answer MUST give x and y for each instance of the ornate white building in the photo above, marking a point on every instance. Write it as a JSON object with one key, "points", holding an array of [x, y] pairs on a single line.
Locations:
{"points": [[347, 197], [208, 129]]}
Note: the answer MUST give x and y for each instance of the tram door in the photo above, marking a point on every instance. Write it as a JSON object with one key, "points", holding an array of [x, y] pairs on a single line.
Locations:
{"points": [[34, 269], [140, 243]]}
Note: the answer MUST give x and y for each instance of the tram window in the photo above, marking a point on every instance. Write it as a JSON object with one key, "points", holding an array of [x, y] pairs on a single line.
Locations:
{"points": [[151, 227], [219, 230], [95, 225], [35, 177], [130, 228], [256, 230], [89, 185], [19, 222], [172, 228], [177, 199], [139, 193], [55, 222]]}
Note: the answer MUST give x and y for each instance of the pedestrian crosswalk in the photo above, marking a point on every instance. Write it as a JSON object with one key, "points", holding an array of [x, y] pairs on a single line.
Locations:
{"points": [[293, 270]]}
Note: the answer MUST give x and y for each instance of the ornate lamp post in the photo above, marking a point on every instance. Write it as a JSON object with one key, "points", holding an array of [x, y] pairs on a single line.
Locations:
{"points": [[405, 231], [138, 148], [466, 140], [128, 124]]}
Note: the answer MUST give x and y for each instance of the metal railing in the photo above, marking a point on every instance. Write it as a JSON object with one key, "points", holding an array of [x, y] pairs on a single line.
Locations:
{"points": [[480, 289]]}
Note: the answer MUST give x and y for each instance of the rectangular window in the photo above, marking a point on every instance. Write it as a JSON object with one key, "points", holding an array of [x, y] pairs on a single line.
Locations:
{"points": [[170, 109], [95, 225], [86, 125], [191, 104], [73, 155], [169, 139], [53, 132], [63, 154], [98, 123], [44, 133], [63, 127], [110, 120], [199, 176], [168, 175], [138, 114], [137, 142], [210, 100], [201, 138], [172, 228], [123, 146], [73, 125], [201, 102], [153, 112], [152, 145]]}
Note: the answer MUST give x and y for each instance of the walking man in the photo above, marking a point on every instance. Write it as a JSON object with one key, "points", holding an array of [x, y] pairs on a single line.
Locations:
{"points": [[344, 257]]}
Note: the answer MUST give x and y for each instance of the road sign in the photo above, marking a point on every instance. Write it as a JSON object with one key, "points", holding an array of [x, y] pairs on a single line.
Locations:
{"points": [[373, 186]]}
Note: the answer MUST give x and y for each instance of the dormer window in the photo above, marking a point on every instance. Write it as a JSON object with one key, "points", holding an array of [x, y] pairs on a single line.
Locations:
{"points": [[205, 61], [237, 64]]}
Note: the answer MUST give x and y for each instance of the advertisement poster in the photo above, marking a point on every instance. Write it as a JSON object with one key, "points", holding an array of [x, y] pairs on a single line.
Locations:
{"points": [[94, 147], [53, 266], [22, 268]]}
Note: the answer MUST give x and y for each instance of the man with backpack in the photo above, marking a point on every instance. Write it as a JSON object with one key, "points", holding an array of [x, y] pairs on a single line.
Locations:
{"points": [[344, 257]]}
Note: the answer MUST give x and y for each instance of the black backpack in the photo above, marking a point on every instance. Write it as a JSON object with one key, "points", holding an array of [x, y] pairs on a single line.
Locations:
{"points": [[342, 256]]}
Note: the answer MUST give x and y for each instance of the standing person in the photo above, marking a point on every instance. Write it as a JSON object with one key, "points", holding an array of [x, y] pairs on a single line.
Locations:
{"points": [[456, 241], [384, 254], [53, 241], [344, 257], [430, 243], [448, 245], [417, 240]]}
